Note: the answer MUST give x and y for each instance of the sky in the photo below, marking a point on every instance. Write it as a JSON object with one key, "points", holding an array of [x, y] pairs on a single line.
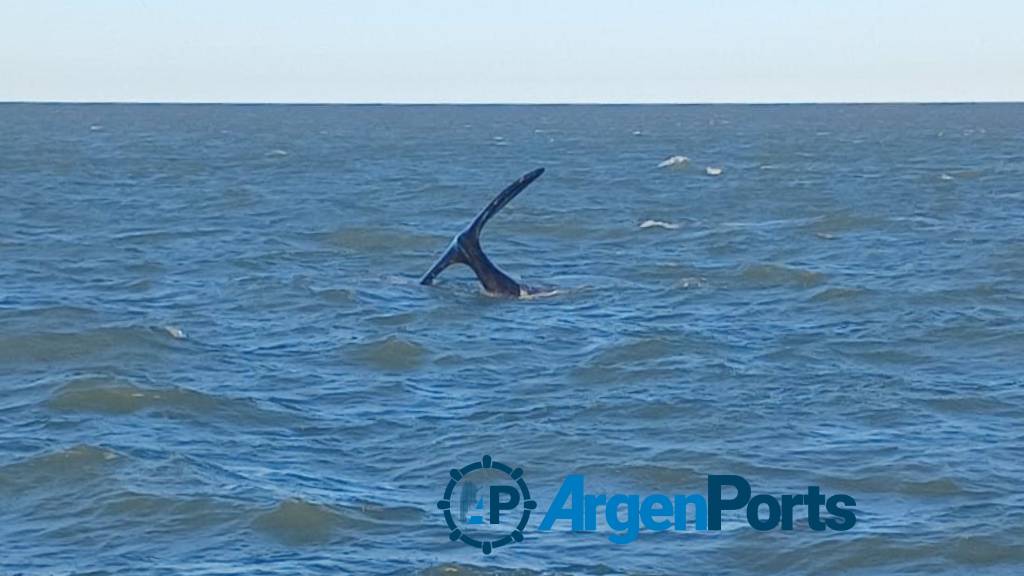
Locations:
{"points": [[408, 51]]}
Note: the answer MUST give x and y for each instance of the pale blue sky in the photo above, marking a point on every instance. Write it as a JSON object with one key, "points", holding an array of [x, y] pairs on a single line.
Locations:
{"points": [[512, 51]]}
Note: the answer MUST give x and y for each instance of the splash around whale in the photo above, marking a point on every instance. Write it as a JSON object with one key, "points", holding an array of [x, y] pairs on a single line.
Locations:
{"points": [[465, 249]]}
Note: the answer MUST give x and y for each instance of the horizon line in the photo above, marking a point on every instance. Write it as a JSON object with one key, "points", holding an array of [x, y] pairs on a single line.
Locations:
{"points": [[510, 103]]}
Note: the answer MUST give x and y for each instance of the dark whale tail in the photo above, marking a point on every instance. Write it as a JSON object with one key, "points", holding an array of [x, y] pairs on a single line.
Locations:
{"points": [[465, 247]]}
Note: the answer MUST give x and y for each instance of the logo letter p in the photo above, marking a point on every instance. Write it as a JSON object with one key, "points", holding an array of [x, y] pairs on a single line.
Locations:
{"points": [[497, 504]]}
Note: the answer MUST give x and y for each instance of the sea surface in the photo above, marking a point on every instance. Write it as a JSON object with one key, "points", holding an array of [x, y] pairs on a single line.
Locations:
{"points": [[215, 356]]}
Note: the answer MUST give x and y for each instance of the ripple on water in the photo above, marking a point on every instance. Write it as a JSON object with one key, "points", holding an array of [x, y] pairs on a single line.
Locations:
{"points": [[71, 465], [870, 553], [65, 346], [972, 404], [647, 476], [337, 295], [843, 222], [399, 319], [366, 240], [888, 484], [178, 515], [296, 522], [453, 569], [636, 359], [839, 294], [390, 354], [770, 275], [111, 395]]}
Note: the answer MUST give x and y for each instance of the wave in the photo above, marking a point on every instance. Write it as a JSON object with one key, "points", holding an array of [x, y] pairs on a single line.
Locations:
{"points": [[364, 239], [336, 295], [297, 522], [781, 275], [839, 293], [165, 513], [175, 332], [111, 395], [659, 224], [889, 553], [633, 360], [647, 476], [840, 222], [392, 353], [677, 162], [50, 347], [457, 569], [72, 465]]}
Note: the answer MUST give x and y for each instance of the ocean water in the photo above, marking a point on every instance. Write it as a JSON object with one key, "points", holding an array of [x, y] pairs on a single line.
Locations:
{"points": [[215, 357]]}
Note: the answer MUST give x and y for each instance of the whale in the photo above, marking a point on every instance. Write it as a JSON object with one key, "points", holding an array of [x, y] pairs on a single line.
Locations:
{"points": [[465, 247]]}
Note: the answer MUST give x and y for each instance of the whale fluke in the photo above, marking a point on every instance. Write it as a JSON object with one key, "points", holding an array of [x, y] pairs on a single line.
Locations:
{"points": [[465, 247]]}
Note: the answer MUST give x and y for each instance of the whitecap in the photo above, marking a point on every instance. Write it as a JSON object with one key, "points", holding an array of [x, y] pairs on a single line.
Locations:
{"points": [[659, 224], [674, 161], [276, 152], [692, 282], [526, 295], [713, 171], [176, 332], [945, 176]]}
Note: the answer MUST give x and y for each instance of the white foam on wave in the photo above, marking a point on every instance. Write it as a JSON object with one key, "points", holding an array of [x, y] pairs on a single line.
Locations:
{"points": [[713, 171], [276, 152], [692, 282], [945, 176], [524, 295], [674, 162], [659, 224], [175, 332]]}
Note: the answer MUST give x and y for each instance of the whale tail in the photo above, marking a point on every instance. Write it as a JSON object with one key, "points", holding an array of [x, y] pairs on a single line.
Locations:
{"points": [[465, 247]]}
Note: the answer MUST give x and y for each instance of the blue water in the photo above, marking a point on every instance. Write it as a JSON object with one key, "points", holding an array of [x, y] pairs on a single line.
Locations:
{"points": [[215, 356]]}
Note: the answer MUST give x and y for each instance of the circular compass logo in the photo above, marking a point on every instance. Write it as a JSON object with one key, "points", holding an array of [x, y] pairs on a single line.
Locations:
{"points": [[480, 504]]}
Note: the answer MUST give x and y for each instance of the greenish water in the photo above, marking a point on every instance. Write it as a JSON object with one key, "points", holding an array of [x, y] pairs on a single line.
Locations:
{"points": [[215, 357]]}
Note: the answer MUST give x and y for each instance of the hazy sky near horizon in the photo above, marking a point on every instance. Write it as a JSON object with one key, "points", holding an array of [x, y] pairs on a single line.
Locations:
{"points": [[521, 51]]}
